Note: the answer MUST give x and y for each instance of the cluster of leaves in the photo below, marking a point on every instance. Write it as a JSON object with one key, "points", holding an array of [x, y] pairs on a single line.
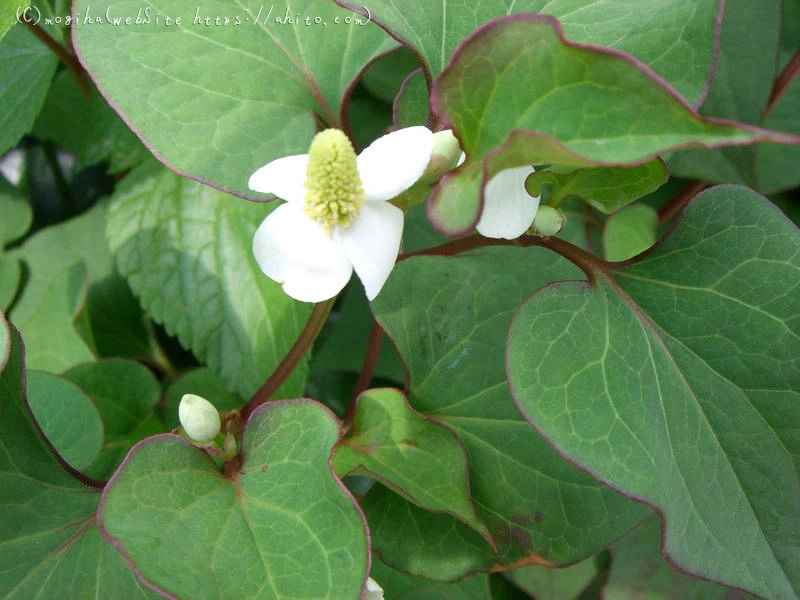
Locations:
{"points": [[620, 400]]}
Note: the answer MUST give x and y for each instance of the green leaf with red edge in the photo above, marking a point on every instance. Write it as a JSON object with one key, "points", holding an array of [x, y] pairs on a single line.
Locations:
{"points": [[283, 526], [596, 107], [448, 317], [47, 531], [639, 572], [674, 379], [216, 102], [411, 105], [673, 37], [436, 546], [414, 455]]}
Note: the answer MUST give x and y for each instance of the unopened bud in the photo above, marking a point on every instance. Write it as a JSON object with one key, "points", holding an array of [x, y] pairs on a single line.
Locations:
{"points": [[374, 591], [199, 418], [548, 221], [444, 155]]}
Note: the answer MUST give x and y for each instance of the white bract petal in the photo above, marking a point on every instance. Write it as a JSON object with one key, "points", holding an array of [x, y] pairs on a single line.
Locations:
{"points": [[284, 177], [336, 219], [199, 418], [374, 591], [394, 162], [372, 243], [508, 209], [294, 250]]}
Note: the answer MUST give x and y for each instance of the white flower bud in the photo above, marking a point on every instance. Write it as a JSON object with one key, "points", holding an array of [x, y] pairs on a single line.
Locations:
{"points": [[446, 151], [199, 418], [548, 221], [374, 591]]}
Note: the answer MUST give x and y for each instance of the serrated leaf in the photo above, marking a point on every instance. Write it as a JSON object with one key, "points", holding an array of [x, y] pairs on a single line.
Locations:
{"points": [[218, 102], [125, 394], [674, 379], [115, 322], [17, 213], [448, 317], [47, 532], [67, 416], [597, 108], [673, 37], [639, 572], [26, 68], [630, 231], [414, 455], [186, 251], [607, 189], [288, 527]]}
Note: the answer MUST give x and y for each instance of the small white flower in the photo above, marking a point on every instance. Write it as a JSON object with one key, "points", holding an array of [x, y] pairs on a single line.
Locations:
{"points": [[336, 218], [508, 209], [374, 591], [199, 418]]}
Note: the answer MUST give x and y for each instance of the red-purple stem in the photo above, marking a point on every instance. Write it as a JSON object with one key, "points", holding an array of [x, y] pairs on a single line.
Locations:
{"points": [[69, 60], [681, 199], [784, 80]]}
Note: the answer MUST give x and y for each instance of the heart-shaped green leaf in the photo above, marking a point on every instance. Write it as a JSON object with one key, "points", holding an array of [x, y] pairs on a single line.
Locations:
{"points": [[673, 37], [216, 102], [50, 543], [282, 526], [674, 379], [186, 251], [596, 107], [448, 317], [414, 455]]}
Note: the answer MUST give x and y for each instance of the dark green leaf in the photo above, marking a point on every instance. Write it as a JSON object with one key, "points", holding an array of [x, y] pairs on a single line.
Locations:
{"points": [[17, 213], [674, 379], [411, 105]]}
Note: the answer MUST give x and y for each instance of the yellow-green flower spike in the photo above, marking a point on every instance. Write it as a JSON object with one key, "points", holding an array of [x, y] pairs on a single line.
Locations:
{"points": [[334, 193]]}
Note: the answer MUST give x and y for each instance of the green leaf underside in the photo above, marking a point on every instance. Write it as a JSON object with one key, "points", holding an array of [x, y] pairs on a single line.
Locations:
{"points": [[417, 457], [47, 534], [26, 68], [125, 394], [67, 416], [411, 105], [186, 252], [673, 37], [607, 189], [687, 358], [594, 107], [640, 572], [448, 319], [284, 527], [218, 102], [630, 231]]}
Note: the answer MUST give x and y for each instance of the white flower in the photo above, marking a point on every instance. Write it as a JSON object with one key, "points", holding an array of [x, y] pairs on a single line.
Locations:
{"points": [[374, 591], [336, 218], [508, 209], [199, 418]]}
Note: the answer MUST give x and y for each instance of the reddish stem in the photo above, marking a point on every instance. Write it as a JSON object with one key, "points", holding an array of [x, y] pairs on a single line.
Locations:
{"points": [[367, 368], [316, 321], [681, 199], [69, 60], [784, 80]]}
